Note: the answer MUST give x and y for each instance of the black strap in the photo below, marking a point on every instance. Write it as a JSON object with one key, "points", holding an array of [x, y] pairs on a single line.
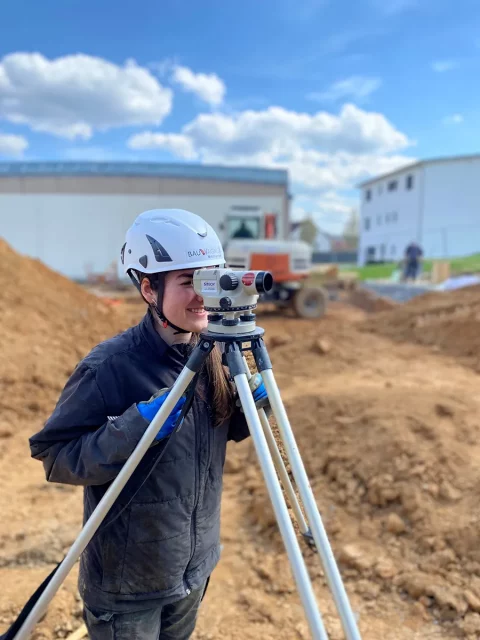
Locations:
{"points": [[22, 616], [204, 591]]}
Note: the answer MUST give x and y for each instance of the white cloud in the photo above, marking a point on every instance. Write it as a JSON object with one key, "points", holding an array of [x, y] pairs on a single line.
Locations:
{"points": [[394, 7], [321, 151], [356, 88], [330, 212], [71, 96], [279, 132], [456, 118], [340, 170], [326, 154], [180, 145], [12, 145], [206, 86], [440, 66]]}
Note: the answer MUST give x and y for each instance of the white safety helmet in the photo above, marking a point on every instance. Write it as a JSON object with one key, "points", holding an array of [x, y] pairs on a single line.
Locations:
{"points": [[169, 239], [162, 240]]}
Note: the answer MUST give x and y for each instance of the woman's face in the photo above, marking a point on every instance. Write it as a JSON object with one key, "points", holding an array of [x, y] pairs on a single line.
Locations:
{"points": [[181, 305]]}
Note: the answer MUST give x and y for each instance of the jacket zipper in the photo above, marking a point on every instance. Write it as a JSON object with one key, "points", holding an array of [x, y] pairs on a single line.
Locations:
{"points": [[193, 522]]}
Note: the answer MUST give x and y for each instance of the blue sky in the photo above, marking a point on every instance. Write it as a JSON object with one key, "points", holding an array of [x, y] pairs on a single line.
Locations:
{"points": [[334, 90]]}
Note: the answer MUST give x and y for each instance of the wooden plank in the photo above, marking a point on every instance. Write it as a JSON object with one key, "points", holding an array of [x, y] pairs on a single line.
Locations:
{"points": [[80, 633]]}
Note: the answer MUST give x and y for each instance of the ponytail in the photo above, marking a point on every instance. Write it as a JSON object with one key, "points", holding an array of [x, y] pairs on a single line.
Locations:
{"points": [[222, 390]]}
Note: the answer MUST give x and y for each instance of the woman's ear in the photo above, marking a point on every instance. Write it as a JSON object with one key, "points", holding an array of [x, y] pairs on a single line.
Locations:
{"points": [[147, 292]]}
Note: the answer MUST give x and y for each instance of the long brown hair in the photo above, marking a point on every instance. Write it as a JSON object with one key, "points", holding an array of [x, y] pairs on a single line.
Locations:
{"points": [[222, 390]]}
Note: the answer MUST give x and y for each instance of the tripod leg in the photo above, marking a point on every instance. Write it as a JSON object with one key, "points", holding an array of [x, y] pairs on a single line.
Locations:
{"points": [[282, 472], [280, 467], [193, 365], [322, 543], [307, 596]]}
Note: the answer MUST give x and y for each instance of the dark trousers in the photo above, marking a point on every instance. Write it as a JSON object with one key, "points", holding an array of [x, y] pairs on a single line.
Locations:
{"points": [[411, 270], [174, 621]]}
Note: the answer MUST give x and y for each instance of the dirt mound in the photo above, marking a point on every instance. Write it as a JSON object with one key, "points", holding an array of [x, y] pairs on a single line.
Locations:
{"points": [[448, 321], [369, 301], [48, 324], [392, 452], [389, 435]]}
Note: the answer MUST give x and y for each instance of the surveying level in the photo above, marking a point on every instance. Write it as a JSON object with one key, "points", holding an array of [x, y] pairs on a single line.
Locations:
{"points": [[230, 297]]}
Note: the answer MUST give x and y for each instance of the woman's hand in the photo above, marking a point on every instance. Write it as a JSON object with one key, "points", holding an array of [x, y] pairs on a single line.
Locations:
{"points": [[259, 391], [150, 409]]}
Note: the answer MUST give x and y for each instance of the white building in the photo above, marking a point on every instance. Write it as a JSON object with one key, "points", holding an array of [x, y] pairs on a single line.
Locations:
{"points": [[434, 202], [73, 216]]}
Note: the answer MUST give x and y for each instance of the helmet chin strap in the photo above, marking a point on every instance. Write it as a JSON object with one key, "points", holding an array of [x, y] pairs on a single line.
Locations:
{"points": [[165, 321], [159, 286]]}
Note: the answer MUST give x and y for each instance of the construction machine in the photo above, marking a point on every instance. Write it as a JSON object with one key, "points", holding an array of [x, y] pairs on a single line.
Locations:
{"points": [[290, 263]]}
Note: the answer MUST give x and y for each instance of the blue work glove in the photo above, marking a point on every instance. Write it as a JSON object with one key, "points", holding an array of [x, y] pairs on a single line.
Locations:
{"points": [[150, 409], [259, 393]]}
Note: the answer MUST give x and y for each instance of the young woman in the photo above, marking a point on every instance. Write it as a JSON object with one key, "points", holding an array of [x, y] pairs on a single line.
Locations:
{"points": [[144, 575]]}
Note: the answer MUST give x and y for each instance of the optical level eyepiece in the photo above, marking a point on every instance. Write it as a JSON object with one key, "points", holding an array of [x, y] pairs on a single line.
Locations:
{"points": [[264, 281]]}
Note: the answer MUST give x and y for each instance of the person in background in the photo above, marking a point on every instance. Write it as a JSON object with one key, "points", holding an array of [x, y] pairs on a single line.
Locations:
{"points": [[413, 260]]}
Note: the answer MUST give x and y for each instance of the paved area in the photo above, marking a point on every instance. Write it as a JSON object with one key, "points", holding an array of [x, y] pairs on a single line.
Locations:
{"points": [[398, 291]]}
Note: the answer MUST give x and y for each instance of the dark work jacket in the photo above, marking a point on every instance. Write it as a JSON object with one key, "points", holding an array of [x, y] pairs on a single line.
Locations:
{"points": [[166, 542]]}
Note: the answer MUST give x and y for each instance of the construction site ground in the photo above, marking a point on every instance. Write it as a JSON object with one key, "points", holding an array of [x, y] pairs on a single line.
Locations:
{"points": [[388, 430]]}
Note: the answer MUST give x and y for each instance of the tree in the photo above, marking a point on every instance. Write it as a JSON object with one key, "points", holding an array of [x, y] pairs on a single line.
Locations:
{"points": [[308, 231], [350, 231]]}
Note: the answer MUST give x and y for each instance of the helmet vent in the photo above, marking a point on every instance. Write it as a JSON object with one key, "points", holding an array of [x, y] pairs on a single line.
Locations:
{"points": [[143, 261], [161, 255]]}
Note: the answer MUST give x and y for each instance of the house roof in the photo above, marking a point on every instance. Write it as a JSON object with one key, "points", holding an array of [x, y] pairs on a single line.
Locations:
{"points": [[146, 169], [415, 165]]}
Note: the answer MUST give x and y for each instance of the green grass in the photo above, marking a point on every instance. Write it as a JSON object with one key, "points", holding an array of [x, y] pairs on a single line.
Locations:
{"points": [[383, 271]]}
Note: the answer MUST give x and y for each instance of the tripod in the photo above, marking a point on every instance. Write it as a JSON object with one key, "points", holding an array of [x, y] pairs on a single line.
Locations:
{"points": [[270, 462]]}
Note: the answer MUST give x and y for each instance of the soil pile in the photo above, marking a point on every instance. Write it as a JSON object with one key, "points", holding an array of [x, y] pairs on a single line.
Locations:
{"points": [[48, 323], [390, 440], [389, 434], [447, 321], [369, 301]]}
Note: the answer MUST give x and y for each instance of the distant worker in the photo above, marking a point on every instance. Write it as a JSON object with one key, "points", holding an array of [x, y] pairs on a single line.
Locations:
{"points": [[243, 231], [413, 260]]}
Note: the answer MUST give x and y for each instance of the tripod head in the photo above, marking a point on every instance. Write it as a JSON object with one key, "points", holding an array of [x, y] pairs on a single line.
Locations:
{"points": [[230, 296]]}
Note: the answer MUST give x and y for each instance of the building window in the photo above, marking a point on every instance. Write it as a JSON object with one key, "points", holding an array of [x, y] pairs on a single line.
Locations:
{"points": [[392, 185], [380, 189], [379, 219], [387, 217], [366, 224], [394, 216], [368, 195], [409, 182]]}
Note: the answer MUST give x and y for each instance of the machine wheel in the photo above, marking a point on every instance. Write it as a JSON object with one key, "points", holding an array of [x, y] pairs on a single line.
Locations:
{"points": [[310, 302]]}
